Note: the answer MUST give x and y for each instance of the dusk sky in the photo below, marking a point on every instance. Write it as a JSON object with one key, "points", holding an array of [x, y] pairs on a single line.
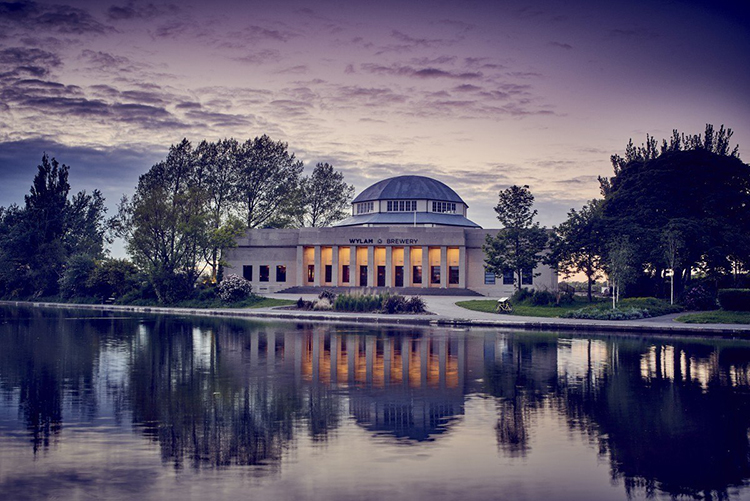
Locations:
{"points": [[480, 95]]}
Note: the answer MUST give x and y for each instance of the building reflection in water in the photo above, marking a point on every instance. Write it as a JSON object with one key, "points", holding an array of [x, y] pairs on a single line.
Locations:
{"points": [[668, 415]]}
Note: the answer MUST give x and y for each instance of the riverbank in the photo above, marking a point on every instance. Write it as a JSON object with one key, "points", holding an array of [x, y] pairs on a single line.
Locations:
{"points": [[444, 312]]}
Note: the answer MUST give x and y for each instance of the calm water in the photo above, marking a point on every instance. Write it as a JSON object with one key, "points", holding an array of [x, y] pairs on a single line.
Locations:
{"points": [[180, 408]]}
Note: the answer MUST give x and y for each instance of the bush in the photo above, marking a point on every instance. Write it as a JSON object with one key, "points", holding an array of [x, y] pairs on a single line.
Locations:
{"points": [[322, 304], [113, 277], [73, 282], [304, 305], [328, 294], [700, 298], [594, 313], [394, 304], [735, 299], [234, 288], [415, 304], [542, 298], [521, 295]]}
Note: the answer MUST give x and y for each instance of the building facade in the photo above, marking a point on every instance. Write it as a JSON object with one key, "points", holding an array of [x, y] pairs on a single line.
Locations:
{"points": [[406, 232]]}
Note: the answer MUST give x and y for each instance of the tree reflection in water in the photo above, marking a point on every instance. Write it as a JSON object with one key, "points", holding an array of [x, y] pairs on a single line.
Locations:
{"points": [[670, 416]]}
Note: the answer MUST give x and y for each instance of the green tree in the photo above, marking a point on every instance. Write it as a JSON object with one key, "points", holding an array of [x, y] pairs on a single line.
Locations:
{"points": [[269, 183], [696, 182], [518, 246], [577, 243], [325, 197], [219, 168], [620, 266], [112, 278], [165, 224], [39, 241]]}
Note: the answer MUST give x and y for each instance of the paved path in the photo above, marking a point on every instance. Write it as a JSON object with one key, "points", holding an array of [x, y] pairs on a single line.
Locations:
{"points": [[444, 312]]}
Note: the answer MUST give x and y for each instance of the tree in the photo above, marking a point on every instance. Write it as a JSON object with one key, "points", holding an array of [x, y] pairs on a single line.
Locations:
{"points": [[696, 182], [577, 245], [269, 183], [325, 197], [39, 241], [219, 169], [620, 266], [165, 224], [519, 244]]}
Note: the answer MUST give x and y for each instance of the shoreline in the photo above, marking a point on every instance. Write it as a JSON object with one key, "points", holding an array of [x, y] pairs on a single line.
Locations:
{"points": [[434, 320]]}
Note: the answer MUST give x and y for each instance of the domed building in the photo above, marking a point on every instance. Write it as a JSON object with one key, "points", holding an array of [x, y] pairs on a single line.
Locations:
{"points": [[408, 234]]}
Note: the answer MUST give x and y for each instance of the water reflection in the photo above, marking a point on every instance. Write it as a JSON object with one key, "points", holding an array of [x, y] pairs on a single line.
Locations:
{"points": [[668, 416]]}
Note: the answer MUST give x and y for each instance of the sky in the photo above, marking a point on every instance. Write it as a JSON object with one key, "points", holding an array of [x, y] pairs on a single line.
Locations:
{"points": [[480, 95]]}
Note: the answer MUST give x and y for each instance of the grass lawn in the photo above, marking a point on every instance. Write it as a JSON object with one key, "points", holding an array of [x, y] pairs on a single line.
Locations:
{"points": [[716, 317], [488, 306]]}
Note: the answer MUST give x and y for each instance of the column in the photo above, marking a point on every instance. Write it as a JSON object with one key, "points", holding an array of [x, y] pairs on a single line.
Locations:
{"points": [[425, 266], [389, 266], [370, 266], [407, 266], [443, 267], [462, 267], [300, 265], [353, 271], [316, 282], [335, 265]]}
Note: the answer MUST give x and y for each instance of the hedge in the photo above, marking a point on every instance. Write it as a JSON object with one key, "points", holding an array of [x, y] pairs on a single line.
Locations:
{"points": [[735, 299]]}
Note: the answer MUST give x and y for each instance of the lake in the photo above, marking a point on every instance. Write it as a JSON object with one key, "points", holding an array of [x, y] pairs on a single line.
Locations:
{"points": [[112, 406]]}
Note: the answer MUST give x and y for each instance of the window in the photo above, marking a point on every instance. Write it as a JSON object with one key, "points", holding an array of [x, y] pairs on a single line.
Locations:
{"points": [[446, 207], [365, 207], [310, 273], [508, 278], [401, 205], [329, 274], [489, 278], [281, 273], [345, 273], [363, 276], [398, 276], [527, 277], [247, 272], [435, 275], [416, 275], [381, 276], [263, 273], [453, 274]]}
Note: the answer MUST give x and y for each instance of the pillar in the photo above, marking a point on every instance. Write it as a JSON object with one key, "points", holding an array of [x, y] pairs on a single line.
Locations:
{"points": [[317, 281], [335, 265], [407, 266], [370, 266], [300, 265], [389, 266], [353, 271], [425, 266], [443, 267], [462, 267]]}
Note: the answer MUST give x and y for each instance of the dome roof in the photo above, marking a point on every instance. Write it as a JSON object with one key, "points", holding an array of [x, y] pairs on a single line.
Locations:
{"points": [[408, 188]]}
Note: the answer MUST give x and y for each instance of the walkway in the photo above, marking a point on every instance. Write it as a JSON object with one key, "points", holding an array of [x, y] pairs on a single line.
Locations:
{"points": [[443, 312]]}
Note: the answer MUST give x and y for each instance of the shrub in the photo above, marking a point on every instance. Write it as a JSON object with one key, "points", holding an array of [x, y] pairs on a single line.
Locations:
{"points": [[304, 305], [594, 313], [113, 277], [234, 288], [322, 304], [521, 295], [394, 304], [700, 298], [735, 299], [73, 282], [415, 304], [327, 294], [542, 298]]}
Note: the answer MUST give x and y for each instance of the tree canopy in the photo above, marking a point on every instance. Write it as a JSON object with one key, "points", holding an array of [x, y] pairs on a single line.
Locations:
{"points": [[519, 244]]}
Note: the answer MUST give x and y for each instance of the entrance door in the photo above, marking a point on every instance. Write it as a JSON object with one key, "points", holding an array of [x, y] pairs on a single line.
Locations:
{"points": [[399, 276], [363, 276], [381, 276]]}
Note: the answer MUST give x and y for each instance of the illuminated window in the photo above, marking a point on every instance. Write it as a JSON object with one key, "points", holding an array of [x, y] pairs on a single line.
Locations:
{"points": [[435, 275], [263, 273], [310, 272], [281, 273], [416, 275], [489, 278], [453, 274], [401, 205]]}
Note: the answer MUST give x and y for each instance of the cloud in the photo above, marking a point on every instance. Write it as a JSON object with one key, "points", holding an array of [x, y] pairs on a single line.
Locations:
{"points": [[17, 61], [415, 72], [138, 11], [259, 57], [62, 19], [565, 46], [107, 62]]}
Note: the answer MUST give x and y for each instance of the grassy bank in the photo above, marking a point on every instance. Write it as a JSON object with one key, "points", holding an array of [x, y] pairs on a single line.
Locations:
{"points": [[655, 307], [716, 317], [549, 311]]}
